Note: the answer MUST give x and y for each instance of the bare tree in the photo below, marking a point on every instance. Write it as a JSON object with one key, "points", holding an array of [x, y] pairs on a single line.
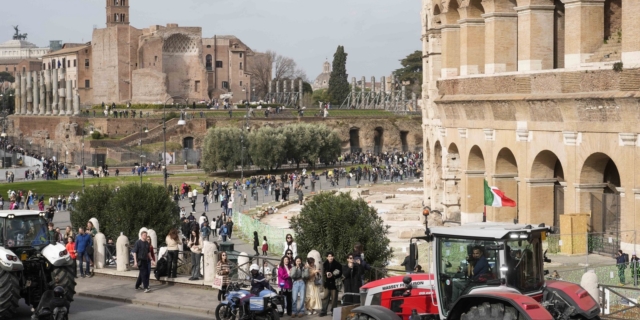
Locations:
{"points": [[269, 66]]}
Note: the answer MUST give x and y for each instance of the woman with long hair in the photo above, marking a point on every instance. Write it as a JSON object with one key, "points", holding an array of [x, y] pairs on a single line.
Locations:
{"points": [[285, 282], [313, 301], [223, 269], [195, 245], [289, 244], [173, 241]]}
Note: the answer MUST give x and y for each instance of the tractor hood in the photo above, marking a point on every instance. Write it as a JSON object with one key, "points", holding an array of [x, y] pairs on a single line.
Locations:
{"points": [[9, 261]]}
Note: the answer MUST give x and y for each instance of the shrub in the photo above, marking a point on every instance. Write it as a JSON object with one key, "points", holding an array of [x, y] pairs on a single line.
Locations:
{"points": [[335, 222], [96, 135]]}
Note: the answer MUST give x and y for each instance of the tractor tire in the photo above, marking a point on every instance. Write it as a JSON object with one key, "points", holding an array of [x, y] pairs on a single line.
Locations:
{"points": [[64, 277], [494, 311], [9, 294]]}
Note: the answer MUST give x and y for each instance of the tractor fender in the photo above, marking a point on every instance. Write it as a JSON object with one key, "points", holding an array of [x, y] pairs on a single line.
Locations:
{"points": [[57, 255], [10, 265], [528, 308], [575, 295]]}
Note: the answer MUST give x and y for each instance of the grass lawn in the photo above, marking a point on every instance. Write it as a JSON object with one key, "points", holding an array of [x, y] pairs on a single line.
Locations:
{"points": [[66, 186]]}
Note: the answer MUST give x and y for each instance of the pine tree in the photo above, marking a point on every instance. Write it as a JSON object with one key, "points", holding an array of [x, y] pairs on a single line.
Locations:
{"points": [[338, 83]]}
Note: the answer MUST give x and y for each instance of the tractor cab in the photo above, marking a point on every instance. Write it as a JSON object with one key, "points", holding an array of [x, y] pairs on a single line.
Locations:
{"points": [[476, 258]]}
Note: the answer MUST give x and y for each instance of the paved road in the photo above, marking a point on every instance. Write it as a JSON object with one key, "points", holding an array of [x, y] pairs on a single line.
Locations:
{"points": [[95, 309]]}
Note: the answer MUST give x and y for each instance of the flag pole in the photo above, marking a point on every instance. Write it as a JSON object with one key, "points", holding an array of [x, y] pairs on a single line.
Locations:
{"points": [[484, 214]]}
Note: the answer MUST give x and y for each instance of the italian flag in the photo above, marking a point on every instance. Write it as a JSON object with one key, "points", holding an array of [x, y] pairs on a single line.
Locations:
{"points": [[493, 197]]}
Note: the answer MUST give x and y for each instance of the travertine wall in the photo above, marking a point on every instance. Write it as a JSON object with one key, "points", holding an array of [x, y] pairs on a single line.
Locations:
{"points": [[534, 132]]}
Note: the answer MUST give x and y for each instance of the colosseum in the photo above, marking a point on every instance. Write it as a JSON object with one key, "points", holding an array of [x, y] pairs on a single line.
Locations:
{"points": [[541, 99]]}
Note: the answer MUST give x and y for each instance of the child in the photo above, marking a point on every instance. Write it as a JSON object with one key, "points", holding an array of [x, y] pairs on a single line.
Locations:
{"points": [[265, 246], [72, 252]]}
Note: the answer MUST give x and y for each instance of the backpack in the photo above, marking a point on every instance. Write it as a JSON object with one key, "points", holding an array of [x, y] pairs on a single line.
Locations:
{"points": [[224, 230], [626, 258], [162, 268]]}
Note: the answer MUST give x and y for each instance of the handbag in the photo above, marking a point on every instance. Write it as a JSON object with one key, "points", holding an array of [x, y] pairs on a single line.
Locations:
{"points": [[339, 284], [317, 281], [217, 282]]}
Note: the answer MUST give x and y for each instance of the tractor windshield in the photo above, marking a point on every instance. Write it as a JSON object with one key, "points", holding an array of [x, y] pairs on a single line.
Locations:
{"points": [[525, 263], [25, 231], [463, 265], [1, 232]]}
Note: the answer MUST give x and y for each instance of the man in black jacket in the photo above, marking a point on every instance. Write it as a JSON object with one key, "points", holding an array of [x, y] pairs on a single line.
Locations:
{"points": [[141, 257], [332, 271]]}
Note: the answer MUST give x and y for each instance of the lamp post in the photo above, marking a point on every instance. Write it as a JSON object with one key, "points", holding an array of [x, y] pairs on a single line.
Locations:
{"points": [[181, 122], [82, 165], [141, 157]]}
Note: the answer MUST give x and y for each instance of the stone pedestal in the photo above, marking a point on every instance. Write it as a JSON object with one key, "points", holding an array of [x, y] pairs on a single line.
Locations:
{"points": [[584, 27], [210, 261], [573, 233], [535, 37], [243, 265], [122, 252], [99, 250]]}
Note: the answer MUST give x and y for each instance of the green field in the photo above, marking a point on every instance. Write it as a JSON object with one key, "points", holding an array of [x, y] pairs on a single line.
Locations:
{"points": [[66, 186]]}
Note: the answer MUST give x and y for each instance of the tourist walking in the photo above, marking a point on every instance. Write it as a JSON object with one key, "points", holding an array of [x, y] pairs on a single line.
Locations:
{"points": [[141, 258], [621, 263], [332, 270], [265, 246], [256, 243], [173, 241], [352, 273], [83, 240]]}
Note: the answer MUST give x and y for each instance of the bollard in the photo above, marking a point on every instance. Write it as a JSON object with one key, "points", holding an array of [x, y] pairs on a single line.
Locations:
{"points": [[317, 257], [243, 264], [122, 252], [95, 223], [209, 265], [154, 240], [99, 250], [589, 282]]}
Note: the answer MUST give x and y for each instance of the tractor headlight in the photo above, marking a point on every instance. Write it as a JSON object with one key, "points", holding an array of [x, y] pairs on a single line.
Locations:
{"points": [[63, 253], [42, 214], [11, 257]]}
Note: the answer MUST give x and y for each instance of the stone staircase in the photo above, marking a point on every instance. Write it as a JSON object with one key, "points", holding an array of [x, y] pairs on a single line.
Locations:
{"points": [[611, 51], [155, 132]]}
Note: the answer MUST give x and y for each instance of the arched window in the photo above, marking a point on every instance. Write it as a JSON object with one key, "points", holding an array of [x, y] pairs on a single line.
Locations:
{"points": [[209, 62], [116, 17]]}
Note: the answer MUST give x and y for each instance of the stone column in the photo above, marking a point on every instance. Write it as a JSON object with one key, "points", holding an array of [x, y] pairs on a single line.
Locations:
{"points": [[29, 94], [501, 37], [373, 84], [471, 46], [122, 253], [76, 102], [18, 94], [62, 92], [36, 93], [99, 250], [383, 92], [42, 94], [48, 89], [54, 90], [293, 86], [69, 97], [630, 25], [451, 49], [270, 86], [284, 86], [473, 196], [584, 27], [535, 37]]}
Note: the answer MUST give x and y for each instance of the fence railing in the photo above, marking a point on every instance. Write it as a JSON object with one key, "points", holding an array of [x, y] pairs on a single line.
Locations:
{"points": [[577, 247], [619, 302]]}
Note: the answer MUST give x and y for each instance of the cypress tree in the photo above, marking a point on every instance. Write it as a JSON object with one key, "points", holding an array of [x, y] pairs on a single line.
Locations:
{"points": [[338, 83]]}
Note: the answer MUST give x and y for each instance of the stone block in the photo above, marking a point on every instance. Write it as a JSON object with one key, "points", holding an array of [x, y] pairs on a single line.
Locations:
{"points": [[364, 192]]}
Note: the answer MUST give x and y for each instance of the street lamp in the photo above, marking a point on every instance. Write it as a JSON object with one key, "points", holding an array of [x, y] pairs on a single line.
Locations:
{"points": [[245, 126], [82, 165], [141, 156], [181, 122]]}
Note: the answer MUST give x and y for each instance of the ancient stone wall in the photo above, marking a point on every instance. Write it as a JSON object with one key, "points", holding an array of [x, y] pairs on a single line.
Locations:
{"points": [[105, 65], [149, 85]]}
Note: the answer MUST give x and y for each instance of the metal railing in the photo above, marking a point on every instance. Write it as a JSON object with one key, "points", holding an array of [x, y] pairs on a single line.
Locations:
{"points": [[619, 302]]}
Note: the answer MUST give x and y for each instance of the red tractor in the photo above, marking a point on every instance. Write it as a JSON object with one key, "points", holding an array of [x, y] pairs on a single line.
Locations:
{"points": [[482, 271]]}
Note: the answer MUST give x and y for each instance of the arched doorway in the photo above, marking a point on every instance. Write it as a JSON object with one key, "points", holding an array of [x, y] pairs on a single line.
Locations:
{"points": [[546, 189], [354, 140], [403, 140], [600, 179], [474, 185], [378, 140], [436, 178], [187, 143], [506, 173], [612, 19]]}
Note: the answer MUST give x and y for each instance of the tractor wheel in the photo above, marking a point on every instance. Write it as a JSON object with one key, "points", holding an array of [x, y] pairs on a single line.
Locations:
{"points": [[491, 311], [9, 294], [64, 277]]}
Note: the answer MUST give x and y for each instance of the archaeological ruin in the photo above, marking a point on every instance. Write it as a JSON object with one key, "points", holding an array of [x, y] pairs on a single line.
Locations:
{"points": [[541, 99]]}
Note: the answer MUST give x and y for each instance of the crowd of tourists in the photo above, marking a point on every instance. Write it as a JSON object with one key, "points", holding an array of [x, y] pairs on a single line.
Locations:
{"points": [[29, 200]]}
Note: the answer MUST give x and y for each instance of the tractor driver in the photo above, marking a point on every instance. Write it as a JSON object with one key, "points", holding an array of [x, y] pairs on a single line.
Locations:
{"points": [[480, 267]]}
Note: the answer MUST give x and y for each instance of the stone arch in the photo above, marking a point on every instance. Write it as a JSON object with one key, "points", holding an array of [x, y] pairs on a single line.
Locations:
{"points": [[476, 159], [437, 20], [450, 14], [378, 140], [474, 8], [600, 168], [547, 184], [354, 139], [404, 140], [558, 34], [506, 162], [612, 18], [453, 158]]}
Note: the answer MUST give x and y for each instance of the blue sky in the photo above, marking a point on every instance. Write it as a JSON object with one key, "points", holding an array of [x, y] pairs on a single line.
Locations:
{"points": [[376, 34]]}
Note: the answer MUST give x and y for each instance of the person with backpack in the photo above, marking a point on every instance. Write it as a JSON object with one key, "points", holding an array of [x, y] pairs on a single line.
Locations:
{"points": [[224, 232], [621, 262], [205, 231]]}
